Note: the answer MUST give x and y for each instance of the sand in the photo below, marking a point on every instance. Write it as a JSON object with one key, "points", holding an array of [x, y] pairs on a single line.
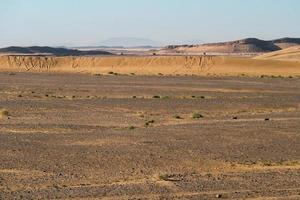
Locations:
{"points": [[289, 54], [151, 65]]}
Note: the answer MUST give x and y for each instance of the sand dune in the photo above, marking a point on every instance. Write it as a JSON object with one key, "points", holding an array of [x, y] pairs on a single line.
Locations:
{"points": [[150, 65], [289, 54]]}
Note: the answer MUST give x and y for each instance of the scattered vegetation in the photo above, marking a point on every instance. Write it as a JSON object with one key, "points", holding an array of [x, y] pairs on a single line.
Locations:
{"points": [[148, 123], [113, 73], [198, 97], [274, 76]]}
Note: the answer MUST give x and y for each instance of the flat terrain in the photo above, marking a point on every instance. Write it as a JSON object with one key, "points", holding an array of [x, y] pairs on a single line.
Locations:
{"points": [[149, 137]]}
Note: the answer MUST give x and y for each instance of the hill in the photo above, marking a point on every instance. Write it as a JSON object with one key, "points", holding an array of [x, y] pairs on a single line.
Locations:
{"points": [[289, 54], [38, 50], [248, 45], [284, 43]]}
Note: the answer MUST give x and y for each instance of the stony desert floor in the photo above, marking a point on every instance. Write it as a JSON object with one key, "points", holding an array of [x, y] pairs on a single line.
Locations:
{"points": [[73, 136]]}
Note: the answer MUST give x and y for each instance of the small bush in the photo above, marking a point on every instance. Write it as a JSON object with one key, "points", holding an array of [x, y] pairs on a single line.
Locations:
{"points": [[263, 76], [156, 97], [197, 116], [177, 117], [131, 127]]}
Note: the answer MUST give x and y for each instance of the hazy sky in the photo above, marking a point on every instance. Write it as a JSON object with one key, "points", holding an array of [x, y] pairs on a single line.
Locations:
{"points": [[88, 22]]}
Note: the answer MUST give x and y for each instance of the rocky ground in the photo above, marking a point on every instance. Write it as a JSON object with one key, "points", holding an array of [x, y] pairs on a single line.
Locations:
{"points": [[66, 136]]}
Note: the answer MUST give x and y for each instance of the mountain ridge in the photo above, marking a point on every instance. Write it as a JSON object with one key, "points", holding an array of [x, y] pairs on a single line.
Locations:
{"points": [[46, 50], [247, 45]]}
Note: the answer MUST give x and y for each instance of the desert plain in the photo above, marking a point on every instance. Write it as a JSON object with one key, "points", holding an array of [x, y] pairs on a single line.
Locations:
{"points": [[183, 127]]}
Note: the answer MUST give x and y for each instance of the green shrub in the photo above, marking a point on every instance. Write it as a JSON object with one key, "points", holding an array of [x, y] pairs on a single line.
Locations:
{"points": [[197, 116]]}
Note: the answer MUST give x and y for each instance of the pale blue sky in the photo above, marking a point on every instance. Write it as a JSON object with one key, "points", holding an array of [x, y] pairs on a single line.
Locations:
{"points": [[88, 22]]}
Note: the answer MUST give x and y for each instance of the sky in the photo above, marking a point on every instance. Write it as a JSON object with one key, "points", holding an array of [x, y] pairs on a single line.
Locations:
{"points": [[89, 22]]}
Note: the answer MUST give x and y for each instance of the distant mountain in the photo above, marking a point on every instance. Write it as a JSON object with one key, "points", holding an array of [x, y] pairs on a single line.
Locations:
{"points": [[287, 40], [190, 42], [129, 42], [248, 45], [45, 50]]}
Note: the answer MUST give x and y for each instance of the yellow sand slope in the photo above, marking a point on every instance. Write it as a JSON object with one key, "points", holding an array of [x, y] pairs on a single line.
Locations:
{"points": [[289, 54], [151, 65]]}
